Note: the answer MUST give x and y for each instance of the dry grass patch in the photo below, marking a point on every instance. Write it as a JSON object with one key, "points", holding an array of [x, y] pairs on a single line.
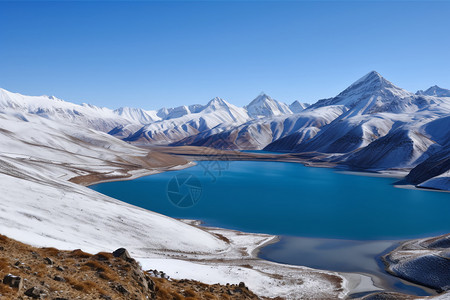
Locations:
{"points": [[78, 253], [80, 275]]}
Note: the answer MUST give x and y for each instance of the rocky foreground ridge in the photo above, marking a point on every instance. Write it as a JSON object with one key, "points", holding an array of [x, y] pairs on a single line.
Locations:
{"points": [[48, 273]]}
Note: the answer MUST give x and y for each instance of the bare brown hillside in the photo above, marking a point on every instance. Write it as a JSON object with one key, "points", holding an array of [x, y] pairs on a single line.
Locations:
{"points": [[47, 273]]}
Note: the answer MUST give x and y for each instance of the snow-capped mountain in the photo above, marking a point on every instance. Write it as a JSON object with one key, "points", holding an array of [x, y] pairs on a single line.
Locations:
{"points": [[216, 114], [264, 106], [372, 93], [381, 126], [297, 107], [176, 112], [372, 124], [435, 91], [137, 115], [258, 133], [50, 107], [53, 108]]}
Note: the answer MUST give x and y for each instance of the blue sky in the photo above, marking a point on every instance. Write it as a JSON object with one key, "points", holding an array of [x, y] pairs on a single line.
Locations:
{"points": [[154, 54]]}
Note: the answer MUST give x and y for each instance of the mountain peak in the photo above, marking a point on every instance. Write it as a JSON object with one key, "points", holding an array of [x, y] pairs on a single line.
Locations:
{"points": [[217, 101], [370, 93], [265, 106], [435, 91], [373, 83], [297, 107], [371, 78]]}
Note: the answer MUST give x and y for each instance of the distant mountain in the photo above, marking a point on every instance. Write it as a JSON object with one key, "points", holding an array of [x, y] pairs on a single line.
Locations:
{"points": [[381, 126], [258, 133], [371, 125], [137, 115], [176, 112], [216, 114], [435, 91], [264, 106], [50, 107], [297, 107]]}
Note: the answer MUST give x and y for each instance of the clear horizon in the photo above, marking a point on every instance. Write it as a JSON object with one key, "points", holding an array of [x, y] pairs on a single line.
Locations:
{"points": [[165, 54]]}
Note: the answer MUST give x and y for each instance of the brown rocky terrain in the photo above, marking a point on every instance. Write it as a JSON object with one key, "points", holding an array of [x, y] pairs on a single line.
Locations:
{"points": [[47, 273]]}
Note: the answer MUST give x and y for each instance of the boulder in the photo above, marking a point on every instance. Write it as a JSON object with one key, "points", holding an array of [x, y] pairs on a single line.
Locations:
{"points": [[59, 278], [34, 293], [123, 254], [48, 261], [13, 281]]}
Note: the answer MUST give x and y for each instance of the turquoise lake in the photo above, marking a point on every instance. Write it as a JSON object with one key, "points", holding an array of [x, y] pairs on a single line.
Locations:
{"points": [[326, 219], [291, 199]]}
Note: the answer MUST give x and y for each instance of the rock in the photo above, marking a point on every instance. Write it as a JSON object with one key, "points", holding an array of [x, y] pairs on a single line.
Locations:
{"points": [[241, 284], [59, 268], [139, 276], [150, 283], [17, 263], [58, 278], [48, 261], [123, 254], [120, 288], [13, 281], [34, 293]]}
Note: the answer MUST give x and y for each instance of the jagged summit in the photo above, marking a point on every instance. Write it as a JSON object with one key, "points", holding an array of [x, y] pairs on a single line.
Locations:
{"points": [[265, 106], [371, 93], [297, 107], [217, 104], [217, 101], [435, 91], [370, 82]]}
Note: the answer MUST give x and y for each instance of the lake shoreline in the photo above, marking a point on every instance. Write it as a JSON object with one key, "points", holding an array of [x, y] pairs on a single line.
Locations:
{"points": [[273, 239]]}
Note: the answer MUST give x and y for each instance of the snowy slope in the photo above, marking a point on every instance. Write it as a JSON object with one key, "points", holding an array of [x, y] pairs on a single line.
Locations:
{"points": [[137, 115], [433, 172], [34, 168]]}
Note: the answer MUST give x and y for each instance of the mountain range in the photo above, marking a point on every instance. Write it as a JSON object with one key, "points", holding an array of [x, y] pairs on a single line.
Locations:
{"points": [[371, 125]]}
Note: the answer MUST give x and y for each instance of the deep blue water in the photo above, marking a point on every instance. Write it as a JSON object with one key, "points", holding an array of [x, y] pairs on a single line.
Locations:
{"points": [[326, 219], [290, 199]]}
